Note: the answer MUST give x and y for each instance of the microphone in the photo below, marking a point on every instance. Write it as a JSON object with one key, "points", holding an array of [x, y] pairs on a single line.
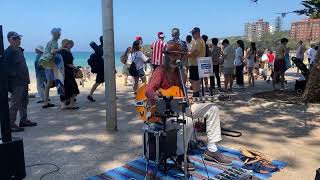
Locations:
{"points": [[179, 63]]}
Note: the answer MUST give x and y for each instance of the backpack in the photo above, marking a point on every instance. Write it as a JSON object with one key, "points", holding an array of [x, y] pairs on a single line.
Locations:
{"points": [[92, 62], [133, 70]]}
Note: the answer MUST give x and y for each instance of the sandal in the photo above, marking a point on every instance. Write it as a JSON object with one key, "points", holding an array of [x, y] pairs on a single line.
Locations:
{"points": [[47, 106]]}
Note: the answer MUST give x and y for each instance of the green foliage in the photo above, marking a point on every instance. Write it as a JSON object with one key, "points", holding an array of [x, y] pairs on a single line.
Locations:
{"points": [[311, 8]]}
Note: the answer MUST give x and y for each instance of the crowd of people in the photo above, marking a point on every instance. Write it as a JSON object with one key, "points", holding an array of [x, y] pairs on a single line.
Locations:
{"points": [[53, 67], [231, 60]]}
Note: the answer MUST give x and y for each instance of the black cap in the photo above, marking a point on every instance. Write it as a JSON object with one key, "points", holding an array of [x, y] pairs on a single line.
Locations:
{"points": [[194, 30], [13, 34]]}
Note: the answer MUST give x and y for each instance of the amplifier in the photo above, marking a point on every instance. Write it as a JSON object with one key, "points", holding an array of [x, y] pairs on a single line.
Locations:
{"points": [[159, 145]]}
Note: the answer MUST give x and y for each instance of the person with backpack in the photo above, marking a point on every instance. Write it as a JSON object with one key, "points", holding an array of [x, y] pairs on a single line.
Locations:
{"points": [[137, 65], [97, 66]]}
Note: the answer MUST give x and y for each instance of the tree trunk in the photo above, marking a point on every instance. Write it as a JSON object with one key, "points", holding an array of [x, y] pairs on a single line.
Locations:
{"points": [[312, 91]]}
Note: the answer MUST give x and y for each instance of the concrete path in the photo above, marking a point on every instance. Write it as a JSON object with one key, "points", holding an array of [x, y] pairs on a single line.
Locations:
{"points": [[78, 143]]}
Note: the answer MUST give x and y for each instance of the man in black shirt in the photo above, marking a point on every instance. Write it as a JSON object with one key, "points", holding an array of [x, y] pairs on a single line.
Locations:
{"points": [[18, 82]]}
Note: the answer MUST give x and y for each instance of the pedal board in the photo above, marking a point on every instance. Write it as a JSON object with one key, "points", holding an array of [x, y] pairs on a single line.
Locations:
{"points": [[235, 173]]}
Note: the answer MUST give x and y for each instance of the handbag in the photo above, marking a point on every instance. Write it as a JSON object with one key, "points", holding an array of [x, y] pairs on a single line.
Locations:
{"points": [[133, 68]]}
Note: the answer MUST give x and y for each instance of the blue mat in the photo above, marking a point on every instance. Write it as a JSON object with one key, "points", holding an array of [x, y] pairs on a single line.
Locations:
{"points": [[137, 169]]}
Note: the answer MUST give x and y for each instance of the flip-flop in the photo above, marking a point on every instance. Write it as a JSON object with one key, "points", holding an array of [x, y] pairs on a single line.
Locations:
{"points": [[39, 102], [73, 108]]}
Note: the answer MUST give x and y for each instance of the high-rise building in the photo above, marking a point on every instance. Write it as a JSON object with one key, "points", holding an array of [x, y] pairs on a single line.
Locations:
{"points": [[307, 30], [254, 31]]}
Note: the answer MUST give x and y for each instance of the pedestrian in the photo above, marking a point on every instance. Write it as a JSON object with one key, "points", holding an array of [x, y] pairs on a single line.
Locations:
{"points": [[40, 74], [228, 64], [70, 84], [99, 69], [198, 49], [216, 61], [314, 57], [207, 54], [157, 51], [311, 53], [280, 64], [251, 58], [47, 61], [126, 61], [239, 63], [138, 60], [175, 34], [188, 40], [300, 53], [18, 81]]}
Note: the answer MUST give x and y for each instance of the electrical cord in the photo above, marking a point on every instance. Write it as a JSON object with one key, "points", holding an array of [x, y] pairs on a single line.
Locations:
{"points": [[43, 164]]}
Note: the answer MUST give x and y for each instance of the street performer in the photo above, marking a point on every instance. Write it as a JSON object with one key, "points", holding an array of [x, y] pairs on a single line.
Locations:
{"points": [[166, 76]]}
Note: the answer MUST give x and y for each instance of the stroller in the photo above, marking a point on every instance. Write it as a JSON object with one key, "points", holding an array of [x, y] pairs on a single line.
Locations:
{"points": [[301, 82]]}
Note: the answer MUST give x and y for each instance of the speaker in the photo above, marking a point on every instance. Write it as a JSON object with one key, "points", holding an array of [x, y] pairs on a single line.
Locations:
{"points": [[167, 145], [12, 165]]}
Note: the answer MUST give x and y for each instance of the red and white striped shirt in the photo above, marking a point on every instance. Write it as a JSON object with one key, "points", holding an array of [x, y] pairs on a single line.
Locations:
{"points": [[157, 52]]}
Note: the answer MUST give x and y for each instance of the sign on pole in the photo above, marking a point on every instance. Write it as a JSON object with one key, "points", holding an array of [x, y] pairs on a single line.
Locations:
{"points": [[205, 67]]}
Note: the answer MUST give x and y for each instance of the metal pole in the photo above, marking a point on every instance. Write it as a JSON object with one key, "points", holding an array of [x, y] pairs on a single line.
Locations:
{"points": [[109, 64], [4, 107]]}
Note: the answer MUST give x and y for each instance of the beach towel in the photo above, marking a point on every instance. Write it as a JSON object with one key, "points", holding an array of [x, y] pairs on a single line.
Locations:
{"points": [[58, 72]]}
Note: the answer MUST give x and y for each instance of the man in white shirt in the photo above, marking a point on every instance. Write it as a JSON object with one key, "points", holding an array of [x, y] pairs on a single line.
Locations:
{"points": [[311, 54]]}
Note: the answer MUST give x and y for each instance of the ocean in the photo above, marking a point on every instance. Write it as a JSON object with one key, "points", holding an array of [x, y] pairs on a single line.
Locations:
{"points": [[80, 59]]}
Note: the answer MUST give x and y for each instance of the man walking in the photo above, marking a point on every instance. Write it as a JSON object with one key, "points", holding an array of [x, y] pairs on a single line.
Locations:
{"points": [[18, 82], [157, 51]]}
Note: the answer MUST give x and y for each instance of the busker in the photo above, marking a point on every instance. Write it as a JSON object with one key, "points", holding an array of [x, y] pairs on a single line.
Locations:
{"points": [[166, 76]]}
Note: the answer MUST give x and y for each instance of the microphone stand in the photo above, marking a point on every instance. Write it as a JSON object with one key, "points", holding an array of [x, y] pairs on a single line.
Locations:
{"points": [[185, 103]]}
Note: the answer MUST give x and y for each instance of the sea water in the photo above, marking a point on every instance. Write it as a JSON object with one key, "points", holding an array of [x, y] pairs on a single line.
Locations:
{"points": [[80, 59]]}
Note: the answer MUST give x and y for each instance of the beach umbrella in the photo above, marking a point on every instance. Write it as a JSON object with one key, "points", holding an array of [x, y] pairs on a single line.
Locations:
{"points": [[109, 64]]}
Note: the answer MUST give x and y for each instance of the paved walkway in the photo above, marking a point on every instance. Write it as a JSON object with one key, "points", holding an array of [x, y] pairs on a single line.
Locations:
{"points": [[77, 141]]}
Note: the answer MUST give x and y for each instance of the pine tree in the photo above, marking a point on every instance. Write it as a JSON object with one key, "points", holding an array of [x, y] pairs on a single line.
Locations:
{"points": [[311, 93], [311, 8], [278, 24]]}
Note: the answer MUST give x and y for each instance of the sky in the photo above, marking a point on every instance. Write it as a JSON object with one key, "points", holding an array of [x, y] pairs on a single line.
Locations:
{"points": [[81, 20]]}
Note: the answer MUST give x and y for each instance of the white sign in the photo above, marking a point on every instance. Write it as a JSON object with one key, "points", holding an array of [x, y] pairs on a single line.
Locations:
{"points": [[205, 67]]}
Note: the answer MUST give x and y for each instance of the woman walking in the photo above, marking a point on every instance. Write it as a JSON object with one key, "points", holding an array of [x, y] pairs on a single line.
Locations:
{"points": [[239, 62], [126, 61], [137, 66], [70, 85], [251, 60]]}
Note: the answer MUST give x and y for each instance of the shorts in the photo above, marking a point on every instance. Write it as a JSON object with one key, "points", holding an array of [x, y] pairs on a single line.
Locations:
{"points": [[194, 73], [228, 71], [49, 75], [100, 78], [141, 73], [280, 65]]}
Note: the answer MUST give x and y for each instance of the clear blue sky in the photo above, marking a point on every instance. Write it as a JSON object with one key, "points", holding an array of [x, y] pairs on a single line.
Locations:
{"points": [[80, 20]]}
